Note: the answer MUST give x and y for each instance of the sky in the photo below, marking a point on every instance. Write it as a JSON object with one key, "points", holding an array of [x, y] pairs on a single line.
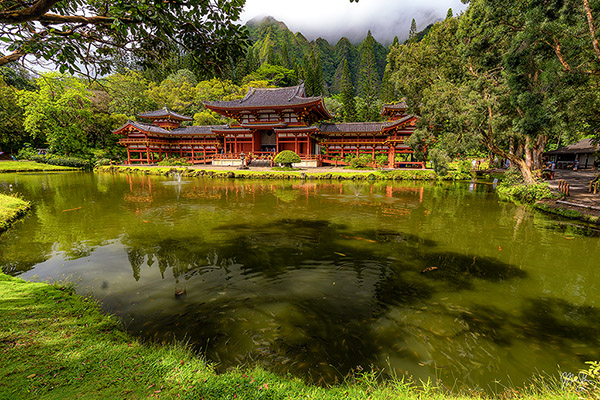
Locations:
{"points": [[332, 19]]}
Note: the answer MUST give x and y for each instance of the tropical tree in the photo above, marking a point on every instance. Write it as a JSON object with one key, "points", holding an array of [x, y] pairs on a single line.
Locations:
{"points": [[82, 35], [60, 112], [128, 92], [12, 135]]}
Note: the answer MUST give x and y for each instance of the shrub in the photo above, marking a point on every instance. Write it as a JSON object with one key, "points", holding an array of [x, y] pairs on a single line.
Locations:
{"points": [[513, 187], [62, 161], [287, 158], [440, 161], [361, 161], [27, 152], [173, 161]]}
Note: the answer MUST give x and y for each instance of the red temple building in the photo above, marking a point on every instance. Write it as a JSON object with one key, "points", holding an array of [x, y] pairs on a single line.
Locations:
{"points": [[269, 121]]}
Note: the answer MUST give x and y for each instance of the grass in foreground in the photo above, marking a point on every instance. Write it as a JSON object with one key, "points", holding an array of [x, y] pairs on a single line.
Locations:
{"points": [[30, 166], [57, 345], [11, 208]]}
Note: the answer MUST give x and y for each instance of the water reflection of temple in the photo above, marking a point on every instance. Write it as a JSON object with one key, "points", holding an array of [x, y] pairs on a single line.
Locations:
{"points": [[266, 122]]}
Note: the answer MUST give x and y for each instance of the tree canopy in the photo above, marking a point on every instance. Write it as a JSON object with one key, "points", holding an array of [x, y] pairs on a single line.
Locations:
{"points": [[87, 36]]}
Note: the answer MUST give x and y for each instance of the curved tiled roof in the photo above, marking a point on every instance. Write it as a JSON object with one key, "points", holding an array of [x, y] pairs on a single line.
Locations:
{"points": [[143, 127], [352, 127], [270, 97], [197, 130], [394, 107], [163, 113]]}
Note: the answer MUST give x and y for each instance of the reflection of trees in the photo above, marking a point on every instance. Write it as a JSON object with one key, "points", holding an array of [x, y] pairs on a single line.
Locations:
{"points": [[322, 337]]}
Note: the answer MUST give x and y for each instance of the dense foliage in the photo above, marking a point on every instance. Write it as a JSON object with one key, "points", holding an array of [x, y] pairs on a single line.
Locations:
{"points": [[91, 37], [504, 79]]}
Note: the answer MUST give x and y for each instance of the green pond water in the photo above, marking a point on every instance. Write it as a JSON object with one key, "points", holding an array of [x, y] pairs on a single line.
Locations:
{"points": [[319, 278]]}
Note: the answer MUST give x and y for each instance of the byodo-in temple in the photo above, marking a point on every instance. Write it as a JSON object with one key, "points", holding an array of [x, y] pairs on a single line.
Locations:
{"points": [[269, 121]]}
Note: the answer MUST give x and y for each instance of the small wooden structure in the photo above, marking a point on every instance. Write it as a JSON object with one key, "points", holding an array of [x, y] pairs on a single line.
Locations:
{"points": [[583, 151]]}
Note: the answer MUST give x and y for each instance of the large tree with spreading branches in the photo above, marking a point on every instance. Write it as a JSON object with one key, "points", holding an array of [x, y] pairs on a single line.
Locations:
{"points": [[89, 35]]}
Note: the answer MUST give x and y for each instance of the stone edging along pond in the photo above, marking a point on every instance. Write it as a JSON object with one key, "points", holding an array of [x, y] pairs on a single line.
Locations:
{"points": [[374, 175]]}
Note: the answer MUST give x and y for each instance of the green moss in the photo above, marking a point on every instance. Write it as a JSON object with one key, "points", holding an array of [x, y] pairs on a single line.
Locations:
{"points": [[11, 209]]}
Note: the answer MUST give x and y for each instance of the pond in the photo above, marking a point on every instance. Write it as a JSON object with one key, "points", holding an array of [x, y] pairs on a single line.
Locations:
{"points": [[319, 278]]}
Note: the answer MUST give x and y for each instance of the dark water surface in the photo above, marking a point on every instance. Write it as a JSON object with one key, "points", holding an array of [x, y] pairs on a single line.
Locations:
{"points": [[316, 279]]}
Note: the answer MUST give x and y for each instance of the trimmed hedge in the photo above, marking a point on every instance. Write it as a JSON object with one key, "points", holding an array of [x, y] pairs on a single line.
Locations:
{"points": [[74, 162]]}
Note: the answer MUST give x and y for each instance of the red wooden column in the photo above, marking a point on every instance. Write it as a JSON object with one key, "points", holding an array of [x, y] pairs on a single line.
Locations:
{"points": [[128, 156], [391, 156]]}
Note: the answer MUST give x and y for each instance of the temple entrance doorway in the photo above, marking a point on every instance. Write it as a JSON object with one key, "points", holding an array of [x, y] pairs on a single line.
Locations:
{"points": [[268, 141]]}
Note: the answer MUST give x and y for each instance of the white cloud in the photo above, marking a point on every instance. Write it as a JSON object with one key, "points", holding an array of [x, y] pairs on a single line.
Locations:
{"points": [[332, 19]]}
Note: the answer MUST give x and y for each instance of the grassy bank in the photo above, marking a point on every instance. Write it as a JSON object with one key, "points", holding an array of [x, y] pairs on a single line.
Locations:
{"points": [[11, 208], [581, 214], [55, 344], [30, 166], [380, 175]]}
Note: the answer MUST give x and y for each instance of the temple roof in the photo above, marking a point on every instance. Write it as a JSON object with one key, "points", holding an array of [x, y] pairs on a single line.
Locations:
{"points": [[394, 108], [392, 124], [197, 130], [143, 127], [265, 98], [163, 113], [352, 127], [188, 130]]}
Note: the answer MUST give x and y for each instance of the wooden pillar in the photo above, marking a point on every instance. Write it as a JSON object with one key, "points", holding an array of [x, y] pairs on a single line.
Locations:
{"points": [[147, 154], [391, 157], [296, 143], [128, 156]]}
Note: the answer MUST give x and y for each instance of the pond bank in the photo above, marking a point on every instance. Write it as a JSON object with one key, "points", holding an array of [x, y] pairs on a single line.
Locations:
{"points": [[11, 209], [267, 173], [56, 344], [30, 166]]}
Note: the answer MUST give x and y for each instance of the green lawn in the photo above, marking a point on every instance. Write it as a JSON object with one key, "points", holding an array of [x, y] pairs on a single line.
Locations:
{"points": [[11, 208], [30, 166], [55, 344]]}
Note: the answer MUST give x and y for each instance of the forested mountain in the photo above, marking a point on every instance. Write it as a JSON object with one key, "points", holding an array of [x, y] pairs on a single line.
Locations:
{"points": [[274, 42]]}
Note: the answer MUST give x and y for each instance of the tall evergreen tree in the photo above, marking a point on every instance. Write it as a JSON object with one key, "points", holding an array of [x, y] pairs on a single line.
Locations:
{"points": [[270, 57], [412, 33], [317, 67], [285, 56], [388, 89], [369, 79], [307, 76], [450, 13], [348, 101]]}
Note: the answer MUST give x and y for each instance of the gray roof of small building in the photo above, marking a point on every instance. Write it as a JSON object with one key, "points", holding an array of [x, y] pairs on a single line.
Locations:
{"points": [[584, 146], [164, 112]]}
